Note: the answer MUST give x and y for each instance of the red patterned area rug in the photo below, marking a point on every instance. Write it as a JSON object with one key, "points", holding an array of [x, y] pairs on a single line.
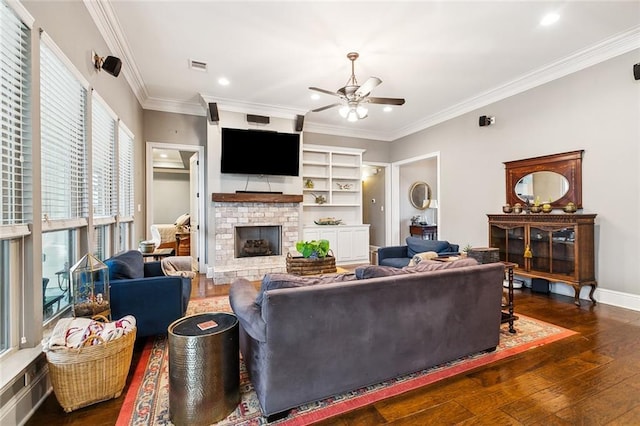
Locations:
{"points": [[147, 399]]}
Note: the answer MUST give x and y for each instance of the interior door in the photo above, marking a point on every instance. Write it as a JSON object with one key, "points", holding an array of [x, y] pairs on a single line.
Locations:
{"points": [[194, 208]]}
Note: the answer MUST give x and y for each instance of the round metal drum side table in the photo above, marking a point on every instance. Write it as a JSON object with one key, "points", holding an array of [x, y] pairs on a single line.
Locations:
{"points": [[204, 368]]}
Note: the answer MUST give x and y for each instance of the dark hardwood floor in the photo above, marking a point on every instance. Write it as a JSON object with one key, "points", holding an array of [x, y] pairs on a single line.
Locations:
{"points": [[591, 378]]}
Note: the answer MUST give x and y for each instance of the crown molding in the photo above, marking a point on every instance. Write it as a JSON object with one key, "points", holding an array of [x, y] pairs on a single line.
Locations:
{"points": [[232, 105], [312, 127], [108, 25], [171, 105], [604, 50]]}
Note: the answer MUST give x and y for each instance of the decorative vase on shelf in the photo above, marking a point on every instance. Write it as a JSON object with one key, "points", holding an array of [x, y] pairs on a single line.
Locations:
{"points": [[546, 208], [517, 208], [570, 208], [507, 208]]}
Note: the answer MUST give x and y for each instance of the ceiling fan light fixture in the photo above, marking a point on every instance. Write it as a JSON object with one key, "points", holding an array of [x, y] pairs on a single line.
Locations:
{"points": [[352, 116], [344, 111], [362, 112]]}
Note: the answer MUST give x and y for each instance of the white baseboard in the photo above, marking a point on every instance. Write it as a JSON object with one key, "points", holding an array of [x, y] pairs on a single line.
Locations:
{"points": [[602, 295]]}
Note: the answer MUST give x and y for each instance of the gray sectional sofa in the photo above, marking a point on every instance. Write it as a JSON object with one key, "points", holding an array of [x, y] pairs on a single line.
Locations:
{"points": [[307, 338]]}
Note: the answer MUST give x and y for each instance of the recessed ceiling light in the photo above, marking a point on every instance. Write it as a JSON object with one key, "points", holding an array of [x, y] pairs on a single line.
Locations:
{"points": [[223, 81], [387, 109], [550, 18], [315, 96]]}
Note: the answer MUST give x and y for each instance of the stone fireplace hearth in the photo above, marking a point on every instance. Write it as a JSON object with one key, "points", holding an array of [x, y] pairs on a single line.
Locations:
{"points": [[235, 212]]}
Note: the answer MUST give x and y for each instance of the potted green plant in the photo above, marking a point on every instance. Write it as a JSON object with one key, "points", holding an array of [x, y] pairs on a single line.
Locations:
{"points": [[314, 249], [316, 258]]}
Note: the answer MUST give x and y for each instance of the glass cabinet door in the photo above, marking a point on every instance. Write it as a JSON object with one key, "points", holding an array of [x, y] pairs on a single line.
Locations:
{"points": [[563, 248], [510, 243], [553, 250]]}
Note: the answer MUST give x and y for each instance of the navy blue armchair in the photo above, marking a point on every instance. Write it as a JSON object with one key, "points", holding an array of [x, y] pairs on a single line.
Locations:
{"points": [[399, 256], [141, 289]]}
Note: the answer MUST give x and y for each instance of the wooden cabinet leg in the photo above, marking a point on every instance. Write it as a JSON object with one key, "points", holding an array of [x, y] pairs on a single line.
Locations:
{"points": [[576, 294], [593, 288]]}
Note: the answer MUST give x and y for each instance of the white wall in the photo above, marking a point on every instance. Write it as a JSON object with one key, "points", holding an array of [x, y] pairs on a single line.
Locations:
{"points": [[597, 110]]}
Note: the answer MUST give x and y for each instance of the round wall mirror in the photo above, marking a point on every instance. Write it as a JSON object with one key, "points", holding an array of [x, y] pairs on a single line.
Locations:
{"points": [[420, 195], [545, 186]]}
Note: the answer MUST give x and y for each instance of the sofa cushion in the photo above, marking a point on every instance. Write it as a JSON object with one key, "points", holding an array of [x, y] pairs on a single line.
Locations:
{"points": [[276, 281], [375, 271], [396, 262], [417, 245], [419, 257], [436, 265], [126, 265]]}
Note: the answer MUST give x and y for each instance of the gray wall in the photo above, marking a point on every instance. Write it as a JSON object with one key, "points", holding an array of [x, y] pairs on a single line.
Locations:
{"points": [[171, 196], [376, 151], [598, 110]]}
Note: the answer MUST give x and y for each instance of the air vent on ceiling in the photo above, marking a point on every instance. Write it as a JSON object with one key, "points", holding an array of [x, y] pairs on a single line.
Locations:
{"points": [[197, 65]]}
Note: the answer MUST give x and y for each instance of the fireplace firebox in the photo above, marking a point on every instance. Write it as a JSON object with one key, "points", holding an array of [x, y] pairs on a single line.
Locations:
{"points": [[252, 241]]}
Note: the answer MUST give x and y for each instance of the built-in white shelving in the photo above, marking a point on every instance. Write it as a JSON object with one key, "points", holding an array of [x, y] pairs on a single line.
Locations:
{"points": [[335, 174]]}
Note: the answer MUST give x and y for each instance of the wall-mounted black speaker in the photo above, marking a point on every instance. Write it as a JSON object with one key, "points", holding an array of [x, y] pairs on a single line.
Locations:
{"points": [[213, 112], [299, 122], [636, 71], [485, 120], [260, 119], [112, 65]]}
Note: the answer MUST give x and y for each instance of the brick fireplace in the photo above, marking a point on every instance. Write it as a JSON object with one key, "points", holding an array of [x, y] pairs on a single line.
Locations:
{"points": [[250, 220]]}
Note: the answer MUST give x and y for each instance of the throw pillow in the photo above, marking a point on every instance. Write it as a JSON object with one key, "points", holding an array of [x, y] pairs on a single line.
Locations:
{"points": [[417, 245], [435, 265], [277, 281], [126, 265], [183, 220], [375, 271], [428, 255]]}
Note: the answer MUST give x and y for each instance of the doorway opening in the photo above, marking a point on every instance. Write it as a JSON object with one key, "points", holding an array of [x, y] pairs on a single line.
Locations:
{"points": [[174, 182]]}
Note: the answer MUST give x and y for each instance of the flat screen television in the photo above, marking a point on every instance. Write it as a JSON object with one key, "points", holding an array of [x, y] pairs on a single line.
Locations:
{"points": [[259, 152]]}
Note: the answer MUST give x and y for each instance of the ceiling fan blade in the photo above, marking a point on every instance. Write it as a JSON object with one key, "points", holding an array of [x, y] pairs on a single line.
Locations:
{"points": [[325, 107], [368, 86], [386, 101], [327, 92]]}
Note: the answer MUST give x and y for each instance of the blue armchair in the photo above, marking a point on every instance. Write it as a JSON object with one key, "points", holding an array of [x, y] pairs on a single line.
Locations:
{"points": [[141, 289], [399, 256]]}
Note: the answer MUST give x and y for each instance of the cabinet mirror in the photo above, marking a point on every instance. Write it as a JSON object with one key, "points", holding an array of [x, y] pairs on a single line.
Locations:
{"points": [[542, 186], [556, 179], [420, 195]]}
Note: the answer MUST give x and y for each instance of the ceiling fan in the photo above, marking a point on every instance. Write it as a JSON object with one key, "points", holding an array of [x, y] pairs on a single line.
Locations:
{"points": [[354, 96]]}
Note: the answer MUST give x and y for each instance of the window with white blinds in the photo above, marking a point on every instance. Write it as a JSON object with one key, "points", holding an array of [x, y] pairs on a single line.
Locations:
{"points": [[63, 131], [103, 129], [15, 119], [125, 172]]}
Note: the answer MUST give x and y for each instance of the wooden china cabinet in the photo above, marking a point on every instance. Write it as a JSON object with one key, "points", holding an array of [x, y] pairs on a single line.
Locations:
{"points": [[556, 247]]}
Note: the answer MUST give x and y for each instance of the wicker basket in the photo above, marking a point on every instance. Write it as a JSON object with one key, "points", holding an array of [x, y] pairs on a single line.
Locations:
{"points": [[90, 374], [308, 266]]}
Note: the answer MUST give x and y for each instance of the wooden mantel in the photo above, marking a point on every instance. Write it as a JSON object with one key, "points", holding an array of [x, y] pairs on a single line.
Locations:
{"points": [[256, 197]]}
